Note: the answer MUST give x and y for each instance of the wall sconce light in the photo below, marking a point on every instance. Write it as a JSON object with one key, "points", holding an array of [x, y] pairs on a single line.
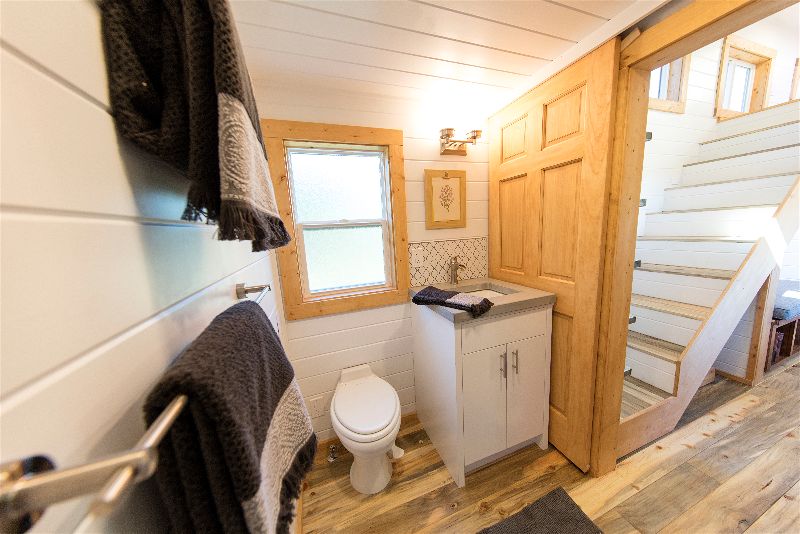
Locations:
{"points": [[456, 147]]}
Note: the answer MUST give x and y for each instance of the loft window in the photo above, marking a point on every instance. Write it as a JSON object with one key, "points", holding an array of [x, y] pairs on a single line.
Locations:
{"points": [[743, 81], [668, 86], [739, 77], [342, 217]]}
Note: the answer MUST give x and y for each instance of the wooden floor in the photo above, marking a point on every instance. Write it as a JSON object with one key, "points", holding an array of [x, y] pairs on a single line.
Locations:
{"points": [[638, 395], [731, 470]]}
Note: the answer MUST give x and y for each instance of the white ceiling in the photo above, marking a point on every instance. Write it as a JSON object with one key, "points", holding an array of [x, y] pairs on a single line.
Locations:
{"points": [[485, 51]]}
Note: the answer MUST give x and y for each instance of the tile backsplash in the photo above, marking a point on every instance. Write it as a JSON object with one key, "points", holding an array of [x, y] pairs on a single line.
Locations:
{"points": [[429, 259]]}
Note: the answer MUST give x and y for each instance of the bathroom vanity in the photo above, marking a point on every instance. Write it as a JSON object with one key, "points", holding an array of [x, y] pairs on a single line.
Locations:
{"points": [[483, 385]]}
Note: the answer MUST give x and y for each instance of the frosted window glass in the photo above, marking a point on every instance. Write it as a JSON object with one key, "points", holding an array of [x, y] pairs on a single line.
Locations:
{"points": [[334, 186], [343, 257]]}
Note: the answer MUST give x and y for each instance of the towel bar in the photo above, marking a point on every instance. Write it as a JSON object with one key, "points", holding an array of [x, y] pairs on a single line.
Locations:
{"points": [[24, 497], [242, 291]]}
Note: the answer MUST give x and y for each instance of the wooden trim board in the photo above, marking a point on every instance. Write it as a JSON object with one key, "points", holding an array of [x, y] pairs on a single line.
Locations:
{"points": [[759, 340], [276, 132], [696, 25]]}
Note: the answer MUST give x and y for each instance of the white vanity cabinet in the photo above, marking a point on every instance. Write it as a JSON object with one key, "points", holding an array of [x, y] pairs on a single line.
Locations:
{"points": [[482, 385], [503, 386]]}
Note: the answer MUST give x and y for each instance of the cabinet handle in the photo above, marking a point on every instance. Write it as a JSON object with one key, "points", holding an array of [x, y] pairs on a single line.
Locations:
{"points": [[515, 361], [504, 368]]}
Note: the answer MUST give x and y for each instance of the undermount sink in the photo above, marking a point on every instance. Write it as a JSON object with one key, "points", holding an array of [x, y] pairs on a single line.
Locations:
{"points": [[485, 293], [485, 289]]}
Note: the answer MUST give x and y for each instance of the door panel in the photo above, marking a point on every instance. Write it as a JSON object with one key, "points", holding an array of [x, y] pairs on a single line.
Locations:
{"points": [[484, 403], [526, 386], [512, 222], [567, 162], [558, 226]]}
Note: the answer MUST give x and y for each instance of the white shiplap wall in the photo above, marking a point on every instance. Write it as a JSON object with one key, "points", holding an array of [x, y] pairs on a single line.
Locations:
{"points": [[321, 347], [102, 284]]}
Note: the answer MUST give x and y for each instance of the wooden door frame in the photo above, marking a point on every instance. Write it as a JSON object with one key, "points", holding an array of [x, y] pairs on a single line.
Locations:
{"points": [[696, 25]]}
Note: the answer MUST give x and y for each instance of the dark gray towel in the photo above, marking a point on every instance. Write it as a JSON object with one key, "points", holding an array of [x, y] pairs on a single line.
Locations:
{"points": [[180, 89], [476, 306], [235, 458], [555, 513]]}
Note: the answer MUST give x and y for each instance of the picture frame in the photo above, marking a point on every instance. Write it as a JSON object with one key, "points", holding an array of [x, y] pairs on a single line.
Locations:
{"points": [[445, 199]]}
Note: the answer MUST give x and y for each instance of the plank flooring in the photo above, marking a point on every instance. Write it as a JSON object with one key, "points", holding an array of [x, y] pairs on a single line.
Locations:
{"points": [[638, 395], [733, 469]]}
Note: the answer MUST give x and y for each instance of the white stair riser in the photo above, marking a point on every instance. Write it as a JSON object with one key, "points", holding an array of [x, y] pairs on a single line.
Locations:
{"points": [[728, 195], [708, 254], [688, 289], [762, 119], [660, 325], [746, 223], [652, 370], [785, 135], [785, 160]]}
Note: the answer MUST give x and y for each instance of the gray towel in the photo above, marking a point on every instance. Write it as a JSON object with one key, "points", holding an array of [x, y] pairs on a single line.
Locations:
{"points": [[476, 306], [180, 89], [235, 459]]}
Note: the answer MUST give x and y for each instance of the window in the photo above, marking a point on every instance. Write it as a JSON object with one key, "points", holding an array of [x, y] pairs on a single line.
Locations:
{"points": [[345, 206], [739, 77], [743, 81], [668, 85], [342, 216]]}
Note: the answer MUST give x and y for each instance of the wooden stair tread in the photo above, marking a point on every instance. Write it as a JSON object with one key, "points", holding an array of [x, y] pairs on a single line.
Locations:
{"points": [[702, 272], [727, 208], [743, 154], [655, 347], [638, 395], [748, 132], [721, 182], [690, 311], [694, 238]]}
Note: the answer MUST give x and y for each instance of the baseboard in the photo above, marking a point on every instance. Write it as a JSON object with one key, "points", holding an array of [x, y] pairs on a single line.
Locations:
{"points": [[735, 378]]}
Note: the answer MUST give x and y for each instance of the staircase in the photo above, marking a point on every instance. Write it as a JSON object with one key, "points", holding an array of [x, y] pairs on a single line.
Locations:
{"points": [[704, 258]]}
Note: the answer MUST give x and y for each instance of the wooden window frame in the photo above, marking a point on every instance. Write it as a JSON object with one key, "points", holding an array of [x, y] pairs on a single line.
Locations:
{"points": [[735, 47], [793, 93], [677, 87], [300, 305]]}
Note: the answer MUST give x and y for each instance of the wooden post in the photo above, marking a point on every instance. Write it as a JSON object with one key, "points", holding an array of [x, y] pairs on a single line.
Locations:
{"points": [[759, 342]]}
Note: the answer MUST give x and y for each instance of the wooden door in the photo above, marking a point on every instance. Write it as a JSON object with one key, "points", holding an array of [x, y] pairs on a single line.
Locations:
{"points": [[549, 172], [484, 384], [526, 385]]}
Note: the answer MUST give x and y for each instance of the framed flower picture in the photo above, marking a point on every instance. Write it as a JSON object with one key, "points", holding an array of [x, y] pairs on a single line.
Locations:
{"points": [[445, 199]]}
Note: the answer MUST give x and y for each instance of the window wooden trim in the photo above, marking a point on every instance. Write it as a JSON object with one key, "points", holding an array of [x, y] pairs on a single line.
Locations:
{"points": [[276, 133], [677, 88], [761, 56], [793, 94]]}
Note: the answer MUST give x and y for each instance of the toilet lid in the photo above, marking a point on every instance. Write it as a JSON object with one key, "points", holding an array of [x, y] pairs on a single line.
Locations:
{"points": [[365, 406]]}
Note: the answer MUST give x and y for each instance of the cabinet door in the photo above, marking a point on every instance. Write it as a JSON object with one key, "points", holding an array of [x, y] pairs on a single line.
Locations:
{"points": [[527, 370], [484, 403]]}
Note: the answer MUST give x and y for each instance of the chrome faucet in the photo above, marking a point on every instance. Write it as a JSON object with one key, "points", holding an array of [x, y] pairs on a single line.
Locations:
{"points": [[454, 266]]}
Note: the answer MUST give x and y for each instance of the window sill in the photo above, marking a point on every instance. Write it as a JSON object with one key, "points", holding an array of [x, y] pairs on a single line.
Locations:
{"points": [[670, 106], [343, 303]]}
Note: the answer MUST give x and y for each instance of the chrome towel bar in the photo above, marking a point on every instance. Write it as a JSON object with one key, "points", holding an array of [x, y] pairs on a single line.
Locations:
{"points": [[242, 291], [24, 497]]}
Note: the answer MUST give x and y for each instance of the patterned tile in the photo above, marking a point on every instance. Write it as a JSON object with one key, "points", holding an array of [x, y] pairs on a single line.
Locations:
{"points": [[429, 259]]}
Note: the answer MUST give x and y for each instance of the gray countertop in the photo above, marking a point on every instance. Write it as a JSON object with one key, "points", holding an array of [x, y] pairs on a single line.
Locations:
{"points": [[517, 298]]}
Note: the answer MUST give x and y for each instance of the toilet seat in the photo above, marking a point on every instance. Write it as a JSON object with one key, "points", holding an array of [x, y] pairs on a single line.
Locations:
{"points": [[366, 409]]}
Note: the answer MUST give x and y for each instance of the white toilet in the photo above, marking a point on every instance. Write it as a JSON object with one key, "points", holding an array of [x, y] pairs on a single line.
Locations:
{"points": [[365, 412]]}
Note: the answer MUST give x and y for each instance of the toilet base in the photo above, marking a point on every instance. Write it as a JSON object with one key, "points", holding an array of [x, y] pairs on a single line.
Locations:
{"points": [[370, 474]]}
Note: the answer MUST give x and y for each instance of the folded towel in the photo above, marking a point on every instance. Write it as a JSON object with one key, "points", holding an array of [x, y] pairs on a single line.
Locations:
{"points": [[235, 458], [476, 306], [179, 89]]}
